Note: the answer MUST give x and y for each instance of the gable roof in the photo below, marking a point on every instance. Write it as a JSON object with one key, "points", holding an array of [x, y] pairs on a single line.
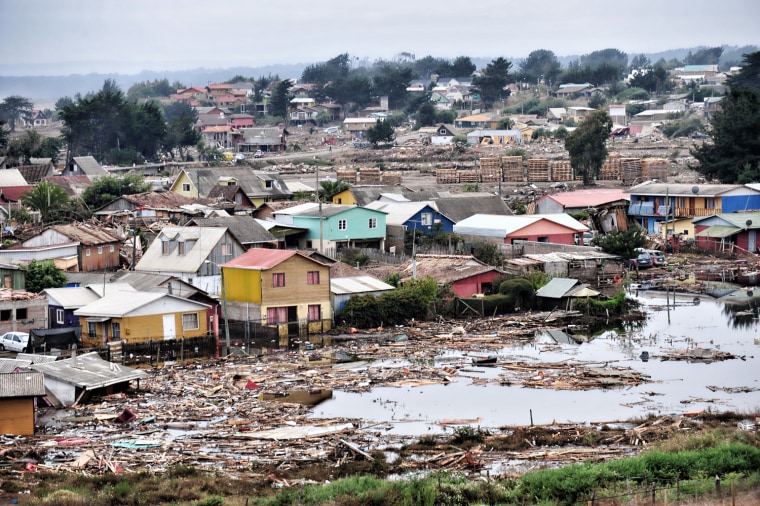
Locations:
{"points": [[119, 304], [445, 268], [556, 288], [205, 240], [252, 183], [398, 213], [587, 198], [70, 297], [502, 226], [73, 185], [682, 189], [263, 259], [140, 281], [12, 177], [244, 228], [34, 173], [21, 384], [88, 371], [89, 165], [87, 234]]}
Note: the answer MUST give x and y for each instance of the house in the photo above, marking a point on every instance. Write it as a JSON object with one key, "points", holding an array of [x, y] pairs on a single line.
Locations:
{"points": [[37, 170], [192, 254], [62, 302], [240, 120], [266, 139], [152, 207], [260, 187], [465, 274], [78, 246], [78, 379], [587, 264], [21, 311], [18, 393], [12, 276], [347, 281], [415, 218], [234, 194], [728, 232], [485, 121], [652, 203], [494, 137], [559, 293], [285, 289], [221, 136], [73, 185], [557, 228], [618, 113], [13, 185], [608, 205], [331, 226], [441, 134], [140, 317], [357, 127], [570, 89], [84, 165], [249, 232]]}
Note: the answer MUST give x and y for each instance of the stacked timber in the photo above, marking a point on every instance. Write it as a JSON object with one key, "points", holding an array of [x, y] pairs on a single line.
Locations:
{"points": [[446, 176], [655, 168], [392, 178], [538, 170], [369, 175], [490, 170], [610, 170], [630, 170], [561, 170], [469, 176], [512, 168], [347, 175]]}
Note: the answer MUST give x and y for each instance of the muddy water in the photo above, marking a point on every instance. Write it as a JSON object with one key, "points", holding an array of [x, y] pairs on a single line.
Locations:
{"points": [[675, 386]]}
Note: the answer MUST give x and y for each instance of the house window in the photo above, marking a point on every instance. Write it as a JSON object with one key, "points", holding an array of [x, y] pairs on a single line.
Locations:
{"points": [[164, 247], [5, 315], [190, 321], [100, 250], [711, 203], [181, 248], [111, 248], [278, 279], [312, 277], [373, 223], [427, 219], [268, 184], [92, 329], [185, 187], [342, 224], [21, 313], [314, 312], [277, 315], [87, 252], [116, 330], [238, 198], [226, 249], [59, 315]]}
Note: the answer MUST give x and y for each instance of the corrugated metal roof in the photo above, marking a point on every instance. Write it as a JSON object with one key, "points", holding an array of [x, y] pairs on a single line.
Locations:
{"points": [[121, 304], [502, 226], [556, 288], [588, 198], [262, 258], [207, 238], [71, 297], [398, 212], [12, 177], [359, 284], [21, 384], [682, 189], [11, 364], [86, 234], [718, 231], [89, 371]]}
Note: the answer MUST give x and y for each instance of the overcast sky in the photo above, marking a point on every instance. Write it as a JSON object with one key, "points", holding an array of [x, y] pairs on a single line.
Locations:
{"points": [[127, 36]]}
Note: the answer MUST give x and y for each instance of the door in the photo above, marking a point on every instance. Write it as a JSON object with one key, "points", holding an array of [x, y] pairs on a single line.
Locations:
{"points": [[752, 241], [170, 329]]}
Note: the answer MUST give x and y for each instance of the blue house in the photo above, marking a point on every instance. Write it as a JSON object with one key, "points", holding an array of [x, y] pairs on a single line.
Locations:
{"points": [[653, 202], [422, 218], [333, 227]]}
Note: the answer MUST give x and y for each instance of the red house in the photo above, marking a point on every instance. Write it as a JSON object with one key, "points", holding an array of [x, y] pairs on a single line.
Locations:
{"points": [[557, 228], [464, 273]]}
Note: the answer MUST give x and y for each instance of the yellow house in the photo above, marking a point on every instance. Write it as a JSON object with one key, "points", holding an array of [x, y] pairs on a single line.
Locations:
{"points": [[280, 288], [135, 317]]}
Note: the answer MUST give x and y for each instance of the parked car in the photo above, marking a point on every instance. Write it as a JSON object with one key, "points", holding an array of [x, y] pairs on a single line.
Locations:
{"points": [[14, 341], [588, 237], [642, 261], [258, 154], [658, 258]]}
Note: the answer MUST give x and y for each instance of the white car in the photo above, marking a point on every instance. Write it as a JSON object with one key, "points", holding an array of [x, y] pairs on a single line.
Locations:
{"points": [[14, 341]]}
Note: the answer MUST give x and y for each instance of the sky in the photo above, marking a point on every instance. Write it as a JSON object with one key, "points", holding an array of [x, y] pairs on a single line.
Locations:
{"points": [[58, 37]]}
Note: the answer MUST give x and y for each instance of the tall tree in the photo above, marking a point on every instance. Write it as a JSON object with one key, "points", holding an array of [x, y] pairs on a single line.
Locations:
{"points": [[108, 188], [462, 66], [5, 135], [392, 81], [44, 197], [587, 145], [281, 99], [41, 275], [493, 82], [381, 132], [734, 154], [748, 75], [707, 56], [15, 108], [181, 133], [426, 115], [541, 62]]}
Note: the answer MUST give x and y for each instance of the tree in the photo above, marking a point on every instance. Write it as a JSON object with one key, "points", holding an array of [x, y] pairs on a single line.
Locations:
{"points": [[707, 56], [748, 75], [181, 118], [622, 243], [734, 154], [15, 108], [493, 82], [44, 197], [541, 62], [382, 131], [5, 135], [106, 189], [426, 115], [446, 116], [33, 145], [41, 275], [281, 98], [652, 79], [587, 145], [328, 189], [462, 66], [392, 81], [505, 124]]}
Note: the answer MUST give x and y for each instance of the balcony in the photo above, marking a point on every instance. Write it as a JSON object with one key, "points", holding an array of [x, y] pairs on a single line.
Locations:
{"points": [[694, 212]]}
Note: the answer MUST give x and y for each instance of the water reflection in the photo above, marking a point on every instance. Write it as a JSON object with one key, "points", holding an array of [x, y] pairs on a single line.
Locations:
{"points": [[741, 316]]}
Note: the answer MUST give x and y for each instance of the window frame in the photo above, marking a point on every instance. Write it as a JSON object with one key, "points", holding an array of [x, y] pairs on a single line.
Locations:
{"points": [[314, 308], [116, 330], [188, 317], [372, 223], [343, 224], [312, 277], [59, 316], [278, 280]]}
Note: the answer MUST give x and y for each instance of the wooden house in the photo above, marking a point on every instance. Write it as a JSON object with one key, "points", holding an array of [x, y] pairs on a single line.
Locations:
{"points": [[95, 248], [18, 393], [138, 317], [556, 228], [281, 288]]}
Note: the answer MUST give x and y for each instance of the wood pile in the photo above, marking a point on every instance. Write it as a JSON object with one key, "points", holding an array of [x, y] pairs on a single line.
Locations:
{"points": [[490, 170], [446, 176], [347, 175], [392, 178], [469, 176], [655, 168], [630, 169], [538, 170], [561, 170], [512, 169], [369, 175], [610, 170]]}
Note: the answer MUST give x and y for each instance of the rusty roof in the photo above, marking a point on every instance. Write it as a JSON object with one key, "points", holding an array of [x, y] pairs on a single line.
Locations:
{"points": [[86, 233]]}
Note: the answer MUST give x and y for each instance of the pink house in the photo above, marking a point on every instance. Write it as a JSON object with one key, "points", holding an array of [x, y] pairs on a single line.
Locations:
{"points": [[556, 228]]}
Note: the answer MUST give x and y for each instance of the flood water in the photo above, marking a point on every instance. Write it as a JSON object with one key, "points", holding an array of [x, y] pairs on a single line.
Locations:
{"points": [[675, 386]]}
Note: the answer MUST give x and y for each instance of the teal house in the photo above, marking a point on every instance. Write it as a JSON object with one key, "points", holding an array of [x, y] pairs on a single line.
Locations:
{"points": [[341, 227]]}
